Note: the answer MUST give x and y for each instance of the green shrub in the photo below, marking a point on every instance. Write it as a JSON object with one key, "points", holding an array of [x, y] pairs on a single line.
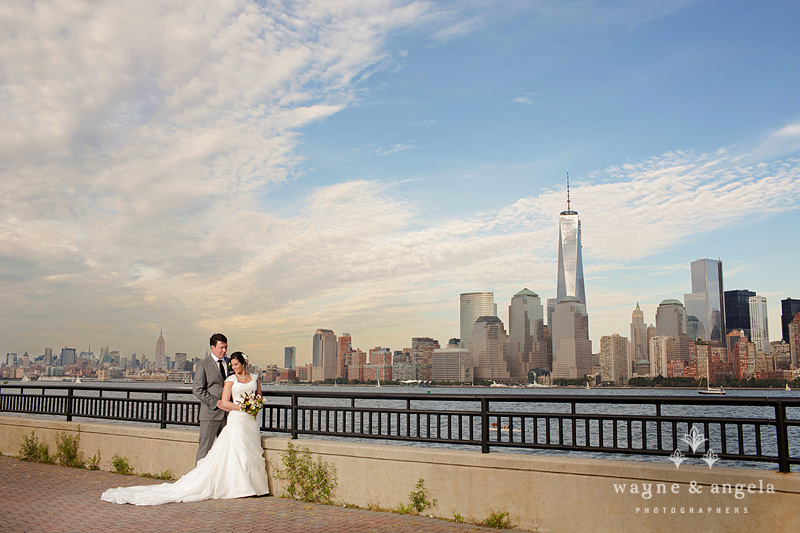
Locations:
{"points": [[67, 453], [34, 451], [306, 480], [498, 520], [121, 465]]}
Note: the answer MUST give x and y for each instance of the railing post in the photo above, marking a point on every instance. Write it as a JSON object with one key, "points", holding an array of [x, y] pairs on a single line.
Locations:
{"points": [[782, 435], [163, 409], [484, 425], [294, 416], [69, 404]]}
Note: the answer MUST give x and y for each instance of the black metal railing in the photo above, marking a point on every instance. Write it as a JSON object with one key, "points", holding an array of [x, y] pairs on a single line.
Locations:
{"points": [[747, 429]]}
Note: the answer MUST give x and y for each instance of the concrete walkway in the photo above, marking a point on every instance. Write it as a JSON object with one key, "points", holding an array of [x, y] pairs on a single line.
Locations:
{"points": [[36, 497]]}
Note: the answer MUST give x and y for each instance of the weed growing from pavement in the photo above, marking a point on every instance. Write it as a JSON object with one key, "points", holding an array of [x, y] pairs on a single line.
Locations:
{"points": [[34, 451], [121, 465], [306, 480], [498, 520]]}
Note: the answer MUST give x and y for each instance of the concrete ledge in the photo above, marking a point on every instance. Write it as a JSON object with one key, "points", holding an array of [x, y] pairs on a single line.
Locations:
{"points": [[540, 493]]}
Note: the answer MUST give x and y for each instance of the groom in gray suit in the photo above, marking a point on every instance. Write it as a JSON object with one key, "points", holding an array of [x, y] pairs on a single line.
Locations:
{"points": [[209, 379]]}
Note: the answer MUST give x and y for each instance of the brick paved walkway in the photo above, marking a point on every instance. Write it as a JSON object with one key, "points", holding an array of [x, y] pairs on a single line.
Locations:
{"points": [[35, 497]]}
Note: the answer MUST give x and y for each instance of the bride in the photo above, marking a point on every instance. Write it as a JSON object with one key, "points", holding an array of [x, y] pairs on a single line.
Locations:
{"points": [[233, 468]]}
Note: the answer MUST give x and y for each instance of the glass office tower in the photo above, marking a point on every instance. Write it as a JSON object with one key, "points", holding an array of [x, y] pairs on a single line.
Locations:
{"points": [[705, 305], [570, 261]]}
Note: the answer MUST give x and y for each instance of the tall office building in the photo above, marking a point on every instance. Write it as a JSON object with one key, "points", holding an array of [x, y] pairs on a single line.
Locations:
{"points": [[759, 329], [671, 322], [705, 305], [572, 349], [68, 356], [160, 349], [344, 346], [639, 347], [614, 362], [526, 329], [662, 349], [789, 308], [473, 306], [570, 261], [670, 318], [737, 311], [487, 349], [422, 356], [324, 355], [794, 343], [289, 357]]}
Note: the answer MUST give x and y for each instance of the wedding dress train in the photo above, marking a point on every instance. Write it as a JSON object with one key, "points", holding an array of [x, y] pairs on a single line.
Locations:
{"points": [[233, 468]]}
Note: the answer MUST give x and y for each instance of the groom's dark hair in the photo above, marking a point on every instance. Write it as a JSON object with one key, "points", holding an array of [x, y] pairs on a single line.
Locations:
{"points": [[218, 337]]}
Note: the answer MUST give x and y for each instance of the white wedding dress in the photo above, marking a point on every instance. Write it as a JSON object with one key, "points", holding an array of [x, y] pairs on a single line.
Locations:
{"points": [[233, 468]]}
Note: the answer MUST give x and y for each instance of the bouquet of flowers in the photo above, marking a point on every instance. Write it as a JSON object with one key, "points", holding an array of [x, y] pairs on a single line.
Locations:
{"points": [[251, 403]]}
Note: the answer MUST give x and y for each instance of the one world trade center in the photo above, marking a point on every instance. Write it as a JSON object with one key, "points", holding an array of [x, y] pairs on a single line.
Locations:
{"points": [[570, 262]]}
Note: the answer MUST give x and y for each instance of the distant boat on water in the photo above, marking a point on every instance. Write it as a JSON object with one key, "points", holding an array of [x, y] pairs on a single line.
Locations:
{"points": [[718, 391], [788, 388]]}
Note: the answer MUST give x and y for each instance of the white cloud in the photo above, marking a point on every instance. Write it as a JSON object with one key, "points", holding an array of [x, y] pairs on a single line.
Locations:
{"points": [[140, 140], [458, 29], [394, 149], [522, 100]]}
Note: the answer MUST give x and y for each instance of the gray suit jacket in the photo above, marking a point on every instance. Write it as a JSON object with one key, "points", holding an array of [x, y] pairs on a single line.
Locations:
{"points": [[208, 385]]}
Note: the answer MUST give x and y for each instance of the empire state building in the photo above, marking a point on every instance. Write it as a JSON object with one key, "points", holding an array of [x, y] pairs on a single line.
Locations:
{"points": [[570, 262]]}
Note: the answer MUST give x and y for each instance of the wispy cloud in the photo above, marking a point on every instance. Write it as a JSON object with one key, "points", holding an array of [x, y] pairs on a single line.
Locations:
{"points": [[522, 100], [141, 143], [458, 29], [397, 148]]}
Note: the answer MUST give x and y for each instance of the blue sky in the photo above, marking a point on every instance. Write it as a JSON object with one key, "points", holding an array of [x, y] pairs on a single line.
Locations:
{"points": [[266, 169]]}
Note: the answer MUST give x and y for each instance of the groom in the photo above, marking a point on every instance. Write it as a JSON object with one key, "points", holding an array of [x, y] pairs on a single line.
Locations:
{"points": [[209, 378]]}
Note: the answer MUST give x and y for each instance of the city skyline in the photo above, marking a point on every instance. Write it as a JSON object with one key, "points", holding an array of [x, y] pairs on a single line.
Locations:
{"points": [[361, 180]]}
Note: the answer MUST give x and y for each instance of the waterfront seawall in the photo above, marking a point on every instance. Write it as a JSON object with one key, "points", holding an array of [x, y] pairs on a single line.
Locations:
{"points": [[544, 493]]}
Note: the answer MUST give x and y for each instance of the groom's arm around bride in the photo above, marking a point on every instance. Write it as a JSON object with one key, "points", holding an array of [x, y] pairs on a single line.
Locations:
{"points": [[209, 380]]}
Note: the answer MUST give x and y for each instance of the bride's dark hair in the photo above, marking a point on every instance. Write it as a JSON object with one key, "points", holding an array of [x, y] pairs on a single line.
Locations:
{"points": [[239, 356]]}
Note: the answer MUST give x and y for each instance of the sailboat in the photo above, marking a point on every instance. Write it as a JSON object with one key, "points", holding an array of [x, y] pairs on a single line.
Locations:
{"points": [[379, 382], [788, 388], [711, 390]]}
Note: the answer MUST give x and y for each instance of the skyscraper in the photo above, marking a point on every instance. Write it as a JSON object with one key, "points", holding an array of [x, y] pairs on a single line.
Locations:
{"points": [[473, 306], [671, 322], [488, 348], [614, 359], [572, 349], [68, 356], [705, 305], [759, 329], [422, 356], [794, 342], [526, 329], [324, 355], [737, 311], [344, 346], [570, 261], [160, 349], [639, 348], [789, 308], [289, 357]]}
